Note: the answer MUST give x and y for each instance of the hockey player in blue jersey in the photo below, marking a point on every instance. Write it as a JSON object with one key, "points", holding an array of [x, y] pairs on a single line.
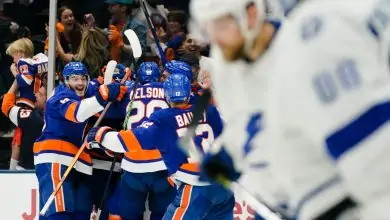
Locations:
{"points": [[145, 174], [176, 66], [65, 116], [194, 199], [101, 161]]}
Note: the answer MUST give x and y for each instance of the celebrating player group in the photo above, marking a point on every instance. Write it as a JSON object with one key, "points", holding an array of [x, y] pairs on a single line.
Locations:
{"points": [[292, 113]]}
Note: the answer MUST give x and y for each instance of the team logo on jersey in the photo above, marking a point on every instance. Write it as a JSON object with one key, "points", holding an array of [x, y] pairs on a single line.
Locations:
{"points": [[253, 127], [311, 27]]}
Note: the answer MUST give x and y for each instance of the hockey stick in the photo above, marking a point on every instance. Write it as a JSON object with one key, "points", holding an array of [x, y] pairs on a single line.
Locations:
{"points": [[153, 30], [109, 72], [130, 34], [200, 106], [137, 52]]}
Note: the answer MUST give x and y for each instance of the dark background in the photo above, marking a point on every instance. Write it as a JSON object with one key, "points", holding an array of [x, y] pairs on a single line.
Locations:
{"points": [[34, 18]]}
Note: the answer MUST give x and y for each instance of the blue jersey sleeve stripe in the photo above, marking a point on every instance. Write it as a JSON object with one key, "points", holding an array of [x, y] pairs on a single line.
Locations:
{"points": [[359, 129]]}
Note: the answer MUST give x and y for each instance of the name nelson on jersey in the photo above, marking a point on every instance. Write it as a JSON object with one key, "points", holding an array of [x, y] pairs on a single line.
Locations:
{"points": [[148, 92]]}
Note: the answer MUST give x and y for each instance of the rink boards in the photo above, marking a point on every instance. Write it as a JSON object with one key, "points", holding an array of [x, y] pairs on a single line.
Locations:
{"points": [[20, 201]]}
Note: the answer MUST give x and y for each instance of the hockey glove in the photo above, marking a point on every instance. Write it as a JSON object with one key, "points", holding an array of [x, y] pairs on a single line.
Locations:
{"points": [[219, 168], [96, 135], [110, 93]]}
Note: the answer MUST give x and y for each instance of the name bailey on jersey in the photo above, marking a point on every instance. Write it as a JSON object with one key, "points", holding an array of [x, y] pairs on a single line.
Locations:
{"points": [[186, 118]]}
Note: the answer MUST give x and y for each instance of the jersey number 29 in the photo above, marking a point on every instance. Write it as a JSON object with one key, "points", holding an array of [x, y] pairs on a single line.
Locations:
{"points": [[144, 111]]}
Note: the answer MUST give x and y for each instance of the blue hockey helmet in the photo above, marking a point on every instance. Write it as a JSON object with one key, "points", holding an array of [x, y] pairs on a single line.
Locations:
{"points": [[75, 69], [179, 67], [148, 72], [177, 88], [119, 73]]}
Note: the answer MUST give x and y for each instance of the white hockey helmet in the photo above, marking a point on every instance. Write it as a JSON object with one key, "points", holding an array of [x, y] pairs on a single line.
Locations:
{"points": [[282, 6], [205, 11]]}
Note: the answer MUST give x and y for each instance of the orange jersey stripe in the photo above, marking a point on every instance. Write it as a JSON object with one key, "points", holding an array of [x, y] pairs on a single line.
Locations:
{"points": [[131, 141], [62, 147], [28, 76], [56, 178], [144, 155], [71, 112], [185, 201], [192, 167], [114, 217], [37, 84]]}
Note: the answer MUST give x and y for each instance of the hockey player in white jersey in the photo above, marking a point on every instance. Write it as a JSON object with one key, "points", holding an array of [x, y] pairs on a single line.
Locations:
{"points": [[327, 109], [240, 34]]}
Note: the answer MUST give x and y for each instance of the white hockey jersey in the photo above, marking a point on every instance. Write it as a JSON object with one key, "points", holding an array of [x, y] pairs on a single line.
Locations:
{"points": [[239, 88], [327, 109]]}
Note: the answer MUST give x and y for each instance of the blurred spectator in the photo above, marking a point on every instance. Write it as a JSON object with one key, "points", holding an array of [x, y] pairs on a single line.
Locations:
{"points": [[122, 19], [190, 45], [93, 50], [70, 38], [176, 32]]}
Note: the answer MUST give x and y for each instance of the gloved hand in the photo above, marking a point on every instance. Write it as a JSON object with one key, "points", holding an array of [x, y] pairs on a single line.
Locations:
{"points": [[110, 93], [95, 136], [219, 168]]}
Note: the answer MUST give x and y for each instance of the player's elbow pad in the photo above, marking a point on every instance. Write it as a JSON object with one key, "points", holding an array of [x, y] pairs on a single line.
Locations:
{"points": [[87, 108]]}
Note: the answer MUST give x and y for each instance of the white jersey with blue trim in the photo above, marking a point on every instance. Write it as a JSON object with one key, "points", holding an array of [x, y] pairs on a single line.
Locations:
{"points": [[328, 106], [238, 90]]}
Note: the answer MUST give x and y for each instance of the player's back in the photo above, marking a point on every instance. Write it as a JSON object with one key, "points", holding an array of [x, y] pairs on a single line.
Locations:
{"points": [[174, 123], [32, 72], [148, 98], [330, 71]]}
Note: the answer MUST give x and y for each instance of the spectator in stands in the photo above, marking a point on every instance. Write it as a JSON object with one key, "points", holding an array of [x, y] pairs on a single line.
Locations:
{"points": [[175, 35], [191, 45], [93, 51], [122, 19], [68, 38], [30, 121]]}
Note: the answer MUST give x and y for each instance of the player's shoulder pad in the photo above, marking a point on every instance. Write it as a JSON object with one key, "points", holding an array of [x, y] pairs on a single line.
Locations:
{"points": [[63, 93], [161, 116], [157, 84], [92, 88], [378, 19], [212, 111], [129, 83]]}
